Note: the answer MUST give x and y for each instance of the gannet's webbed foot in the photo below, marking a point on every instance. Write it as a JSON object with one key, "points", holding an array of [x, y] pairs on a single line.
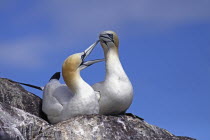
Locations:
{"points": [[130, 114]]}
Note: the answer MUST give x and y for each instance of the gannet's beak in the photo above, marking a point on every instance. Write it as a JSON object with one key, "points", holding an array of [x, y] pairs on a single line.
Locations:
{"points": [[105, 38], [89, 63], [85, 54], [89, 50]]}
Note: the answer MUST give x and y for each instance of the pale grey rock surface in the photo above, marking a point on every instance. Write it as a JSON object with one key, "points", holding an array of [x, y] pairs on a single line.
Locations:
{"points": [[100, 127], [17, 122], [15, 95]]}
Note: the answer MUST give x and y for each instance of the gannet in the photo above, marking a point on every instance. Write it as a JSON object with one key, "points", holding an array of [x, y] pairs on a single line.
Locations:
{"points": [[76, 97], [116, 90], [60, 101]]}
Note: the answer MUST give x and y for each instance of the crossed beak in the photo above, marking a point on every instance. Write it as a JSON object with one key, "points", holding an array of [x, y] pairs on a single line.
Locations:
{"points": [[86, 53]]}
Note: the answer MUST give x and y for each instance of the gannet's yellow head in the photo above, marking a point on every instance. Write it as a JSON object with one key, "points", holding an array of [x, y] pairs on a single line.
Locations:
{"points": [[76, 62], [109, 39], [73, 62]]}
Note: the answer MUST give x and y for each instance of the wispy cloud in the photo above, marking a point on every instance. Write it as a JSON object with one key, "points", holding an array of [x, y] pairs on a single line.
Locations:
{"points": [[65, 23], [77, 17], [74, 21], [22, 53]]}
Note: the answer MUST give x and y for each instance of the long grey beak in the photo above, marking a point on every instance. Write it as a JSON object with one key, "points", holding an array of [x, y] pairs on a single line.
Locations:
{"points": [[86, 53], [90, 49], [89, 63]]}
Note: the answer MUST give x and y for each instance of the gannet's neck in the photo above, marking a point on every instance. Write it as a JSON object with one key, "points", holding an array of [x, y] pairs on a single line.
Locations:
{"points": [[73, 80], [114, 67]]}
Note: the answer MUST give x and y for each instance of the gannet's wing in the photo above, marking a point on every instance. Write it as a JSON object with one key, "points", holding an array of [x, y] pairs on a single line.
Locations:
{"points": [[63, 94], [50, 104]]}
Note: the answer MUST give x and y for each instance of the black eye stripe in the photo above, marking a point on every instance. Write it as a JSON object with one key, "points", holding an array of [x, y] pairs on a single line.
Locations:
{"points": [[105, 42], [83, 56], [105, 37], [110, 35]]}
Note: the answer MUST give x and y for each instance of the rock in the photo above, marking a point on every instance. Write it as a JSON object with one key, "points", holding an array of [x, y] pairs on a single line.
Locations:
{"points": [[21, 119], [16, 124], [15, 95], [101, 127]]}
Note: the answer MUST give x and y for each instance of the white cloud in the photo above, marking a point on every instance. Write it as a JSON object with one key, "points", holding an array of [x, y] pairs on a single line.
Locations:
{"points": [[72, 20], [23, 53], [75, 22], [95, 15]]}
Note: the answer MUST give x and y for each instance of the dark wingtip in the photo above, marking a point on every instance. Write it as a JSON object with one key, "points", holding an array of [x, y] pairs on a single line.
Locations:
{"points": [[56, 76], [29, 85]]}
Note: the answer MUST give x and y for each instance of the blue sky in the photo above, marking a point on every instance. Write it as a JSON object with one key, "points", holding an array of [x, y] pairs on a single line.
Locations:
{"points": [[164, 48]]}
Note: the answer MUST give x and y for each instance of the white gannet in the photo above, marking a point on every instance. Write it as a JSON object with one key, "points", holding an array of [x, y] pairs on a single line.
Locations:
{"points": [[60, 101], [76, 97], [116, 90]]}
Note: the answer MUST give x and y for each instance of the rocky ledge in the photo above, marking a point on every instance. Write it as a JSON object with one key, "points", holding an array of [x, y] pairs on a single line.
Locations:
{"points": [[21, 118], [15, 95]]}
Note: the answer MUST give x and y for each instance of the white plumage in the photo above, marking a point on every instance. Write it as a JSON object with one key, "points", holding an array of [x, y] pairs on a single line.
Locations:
{"points": [[60, 101], [116, 90]]}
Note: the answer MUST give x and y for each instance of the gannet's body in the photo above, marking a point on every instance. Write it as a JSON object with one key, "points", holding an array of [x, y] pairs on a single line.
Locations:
{"points": [[116, 90], [60, 101], [55, 97]]}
